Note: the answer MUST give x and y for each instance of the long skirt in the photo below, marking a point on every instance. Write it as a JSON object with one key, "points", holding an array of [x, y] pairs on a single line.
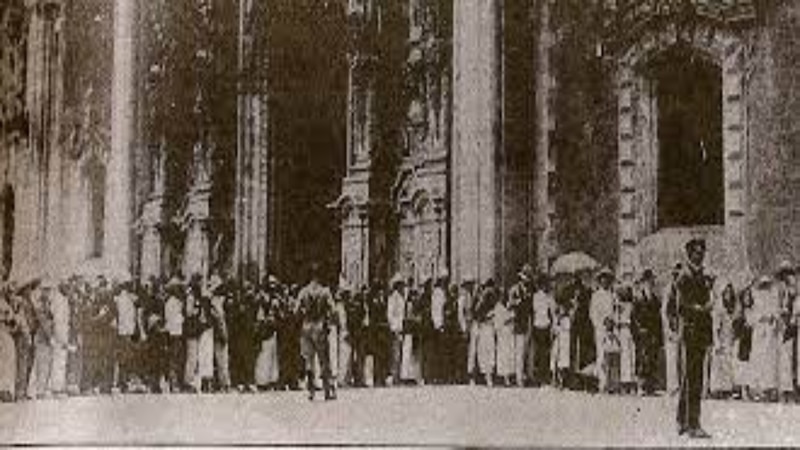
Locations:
{"points": [[505, 351], [205, 354], [561, 350], [627, 369], [58, 372], [521, 343], [764, 357], [333, 352], [785, 363], [24, 349], [345, 356], [267, 370], [722, 369], [411, 364], [672, 363], [472, 348], [42, 365], [486, 348], [8, 365], [190, 367]]}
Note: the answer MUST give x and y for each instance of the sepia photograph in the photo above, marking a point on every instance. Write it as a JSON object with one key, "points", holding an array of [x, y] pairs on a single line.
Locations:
{"points": [[400, 223]]}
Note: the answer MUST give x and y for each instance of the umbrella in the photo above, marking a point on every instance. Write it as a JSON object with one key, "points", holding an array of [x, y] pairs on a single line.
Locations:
{"points": [[574, 262]]}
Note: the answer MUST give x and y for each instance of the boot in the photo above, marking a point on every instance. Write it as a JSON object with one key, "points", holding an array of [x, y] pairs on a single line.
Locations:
{"points": [[311, 386]]}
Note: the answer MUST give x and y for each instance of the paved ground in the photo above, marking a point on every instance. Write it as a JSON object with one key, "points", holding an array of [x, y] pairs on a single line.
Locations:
{"points": [[429, 415]]}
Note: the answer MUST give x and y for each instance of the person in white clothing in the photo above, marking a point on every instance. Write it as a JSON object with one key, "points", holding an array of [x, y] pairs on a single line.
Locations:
{"points": [[127, 313], [173, 326], [395, 313], [542, 314], [601, 310]]}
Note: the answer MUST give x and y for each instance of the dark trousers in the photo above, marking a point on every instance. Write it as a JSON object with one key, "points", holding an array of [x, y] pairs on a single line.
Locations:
{"points": [[691, 386], [647, 357], [24, 347], [175, 360], [539, 356], [124, 361], [243, 357]]}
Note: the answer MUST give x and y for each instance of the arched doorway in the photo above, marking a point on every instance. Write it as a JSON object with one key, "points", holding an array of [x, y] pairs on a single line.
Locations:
{"points": [[680, 148], [6, 231], [690, 166]]}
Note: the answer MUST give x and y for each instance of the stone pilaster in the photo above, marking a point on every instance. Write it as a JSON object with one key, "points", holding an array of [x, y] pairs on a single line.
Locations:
{"points": [[476, 110], [254, 209], [545, 160], [119, 189]]}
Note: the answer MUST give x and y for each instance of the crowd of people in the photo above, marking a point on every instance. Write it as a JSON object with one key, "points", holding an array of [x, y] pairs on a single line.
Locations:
{"points": [[573, 331]]}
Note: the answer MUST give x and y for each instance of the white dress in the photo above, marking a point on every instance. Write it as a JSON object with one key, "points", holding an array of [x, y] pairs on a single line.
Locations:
{"points": [[627, 369], [486, 346], [205, 363], [8, 354], [504, 331], [766, 345], [561, 347]]}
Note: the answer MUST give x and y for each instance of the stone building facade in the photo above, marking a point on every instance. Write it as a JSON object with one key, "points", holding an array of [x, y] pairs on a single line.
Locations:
{"points": [[419, 137]]}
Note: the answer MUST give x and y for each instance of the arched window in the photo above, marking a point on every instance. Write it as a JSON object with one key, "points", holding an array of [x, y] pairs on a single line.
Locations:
{"points": [[690, 165]]}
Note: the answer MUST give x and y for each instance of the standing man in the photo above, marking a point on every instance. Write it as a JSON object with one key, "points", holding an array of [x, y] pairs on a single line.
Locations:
{"points": [[647, 332], [693, 300], [520, 305], [316, 306], [542, 321]]}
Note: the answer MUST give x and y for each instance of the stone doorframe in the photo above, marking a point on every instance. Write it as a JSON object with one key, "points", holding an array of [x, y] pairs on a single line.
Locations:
{"points": [[638, 144]]}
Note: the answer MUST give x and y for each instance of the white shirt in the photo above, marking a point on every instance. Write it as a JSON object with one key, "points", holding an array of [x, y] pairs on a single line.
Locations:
{"points": [[126, 314], [542, 308], [59, 307], [173, 316], [438, 299], [601, 307], [464, 304], [396, 311]]}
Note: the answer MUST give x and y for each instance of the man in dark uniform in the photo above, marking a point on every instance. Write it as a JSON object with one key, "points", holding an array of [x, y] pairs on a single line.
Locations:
{"points": [[316, 307], [692, 307]]}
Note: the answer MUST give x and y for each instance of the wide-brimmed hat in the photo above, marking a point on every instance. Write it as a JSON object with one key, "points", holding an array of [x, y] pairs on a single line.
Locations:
{"points": [[764, 281], [604, 272], [785, 267], [396, 279]]}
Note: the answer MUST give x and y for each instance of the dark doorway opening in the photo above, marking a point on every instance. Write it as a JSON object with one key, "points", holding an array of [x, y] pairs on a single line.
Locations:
{"points": [[690, 171], [7, 231], [308, 91]]}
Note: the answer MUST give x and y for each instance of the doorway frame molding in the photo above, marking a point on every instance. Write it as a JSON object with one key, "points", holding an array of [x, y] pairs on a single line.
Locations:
{"points": [[638, 146]]}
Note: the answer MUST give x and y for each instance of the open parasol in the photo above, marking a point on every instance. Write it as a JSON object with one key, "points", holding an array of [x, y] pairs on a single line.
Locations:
{"points": [[574, 262]]}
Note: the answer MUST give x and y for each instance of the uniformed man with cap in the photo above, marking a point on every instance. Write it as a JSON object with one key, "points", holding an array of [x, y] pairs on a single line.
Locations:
{"points": [[316, 307], [520, 302], [693, 303]]}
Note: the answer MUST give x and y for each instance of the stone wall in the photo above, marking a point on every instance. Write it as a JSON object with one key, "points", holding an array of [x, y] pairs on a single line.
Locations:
{"points": [[773, 108], [585, 141]]}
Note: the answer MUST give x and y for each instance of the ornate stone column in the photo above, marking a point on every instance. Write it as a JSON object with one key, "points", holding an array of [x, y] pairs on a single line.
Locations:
{"points": [[254, 208]]}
